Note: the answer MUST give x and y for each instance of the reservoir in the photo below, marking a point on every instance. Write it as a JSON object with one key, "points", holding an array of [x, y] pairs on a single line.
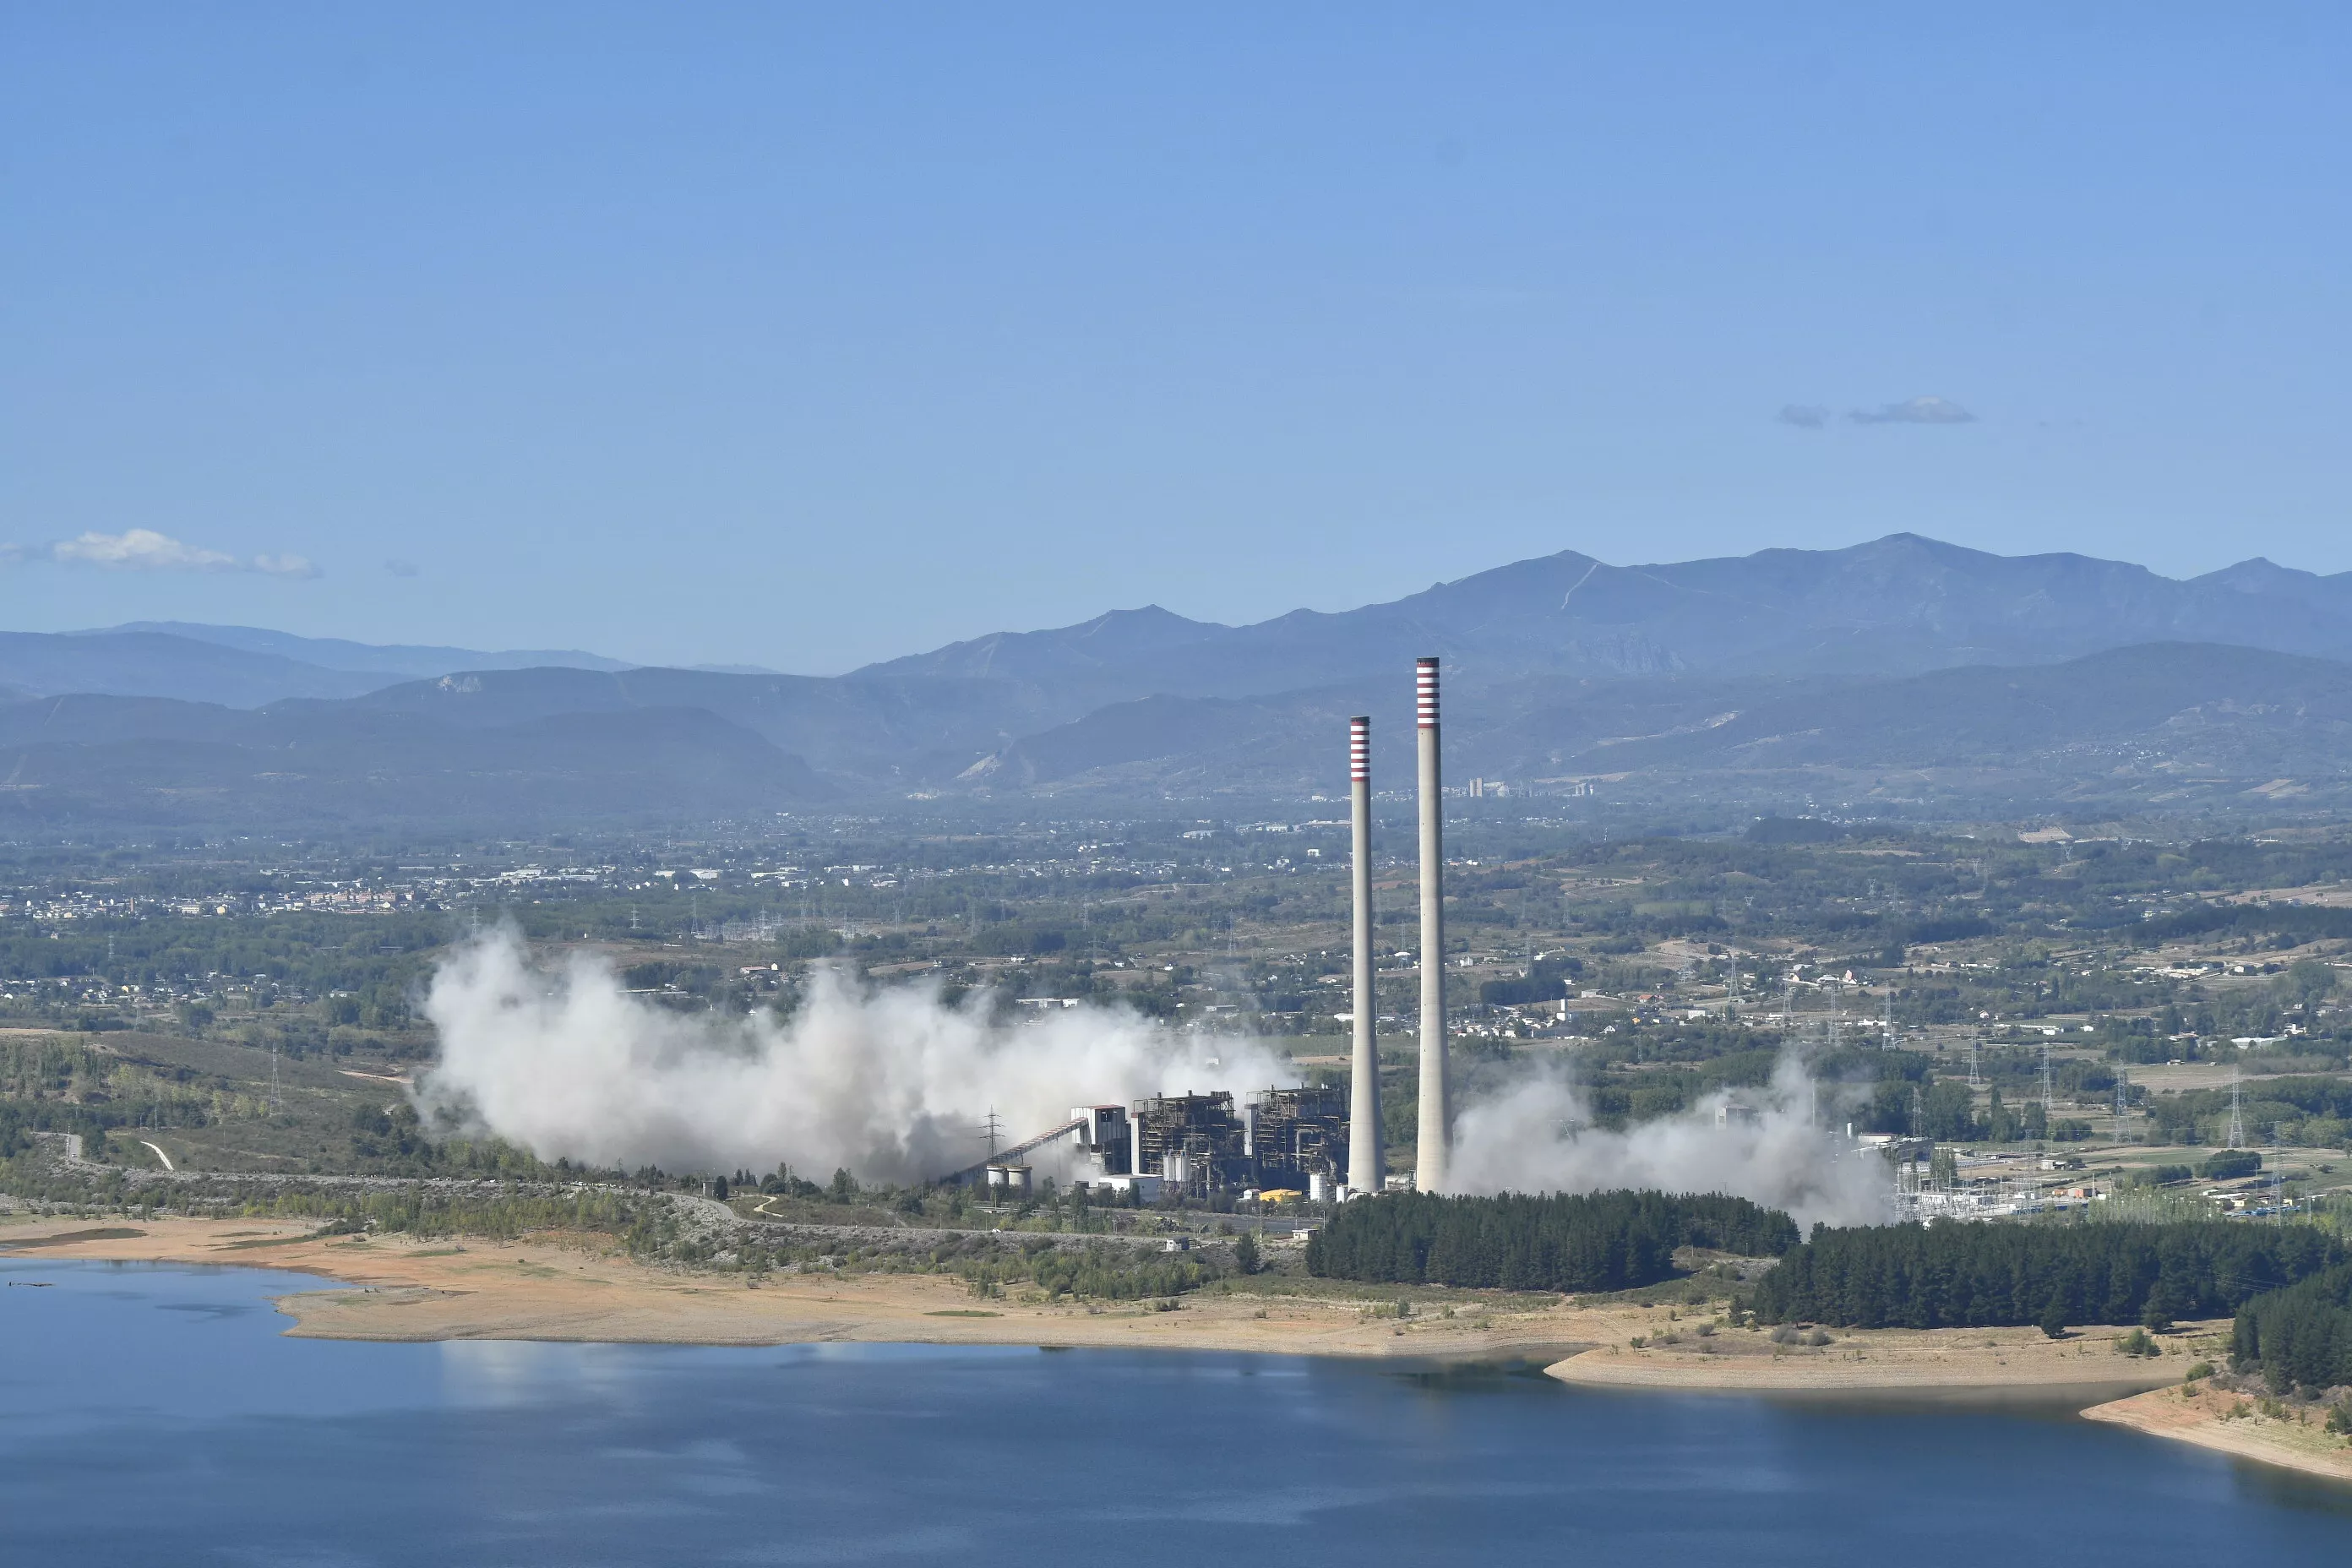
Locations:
{"points": [[156, 1414]]}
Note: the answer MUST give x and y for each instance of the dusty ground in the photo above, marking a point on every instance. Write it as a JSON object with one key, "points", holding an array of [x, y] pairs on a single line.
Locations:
{"points": [[570, 1289], [1733, 1359], [2212, 1418]]}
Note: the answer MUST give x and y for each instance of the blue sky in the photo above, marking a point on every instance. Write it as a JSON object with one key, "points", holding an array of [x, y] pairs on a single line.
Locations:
{"points": [[807, 336]]}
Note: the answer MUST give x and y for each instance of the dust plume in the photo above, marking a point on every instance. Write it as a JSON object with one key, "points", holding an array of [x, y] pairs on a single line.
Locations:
{"points": [[1537, 1137], [891, 1083]]}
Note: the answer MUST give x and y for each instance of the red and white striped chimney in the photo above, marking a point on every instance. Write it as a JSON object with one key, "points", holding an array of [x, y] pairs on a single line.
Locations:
{"points": [[1434, 1152], [1367, 1161]]}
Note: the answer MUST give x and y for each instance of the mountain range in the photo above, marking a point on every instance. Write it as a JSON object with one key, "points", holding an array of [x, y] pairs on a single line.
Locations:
{"points": [[2062, 677]]}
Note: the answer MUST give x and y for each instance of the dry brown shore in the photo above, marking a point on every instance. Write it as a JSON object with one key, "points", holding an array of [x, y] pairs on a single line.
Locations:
{"points": [[1892, 1359], [573, 1287], [2230, 1424], [2085, 1365]]}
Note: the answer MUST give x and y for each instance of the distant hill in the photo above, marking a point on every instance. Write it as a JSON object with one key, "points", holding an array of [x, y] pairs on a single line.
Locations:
{"points": [[374, 658], [240, 667], [2243, 709], [1901, 669], [153, 664], [877, 728], [2128, 723], [1897, 606], [95, 758]]}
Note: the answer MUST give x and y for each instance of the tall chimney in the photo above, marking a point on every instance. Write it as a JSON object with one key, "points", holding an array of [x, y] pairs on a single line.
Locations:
{"points": [[1367, 1167], [1431, 1162]]}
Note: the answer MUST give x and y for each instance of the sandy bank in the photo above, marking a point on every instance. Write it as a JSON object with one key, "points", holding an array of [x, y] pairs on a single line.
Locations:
{"points": [[2230, 1424], [571, 1289], [1735, 1360]]}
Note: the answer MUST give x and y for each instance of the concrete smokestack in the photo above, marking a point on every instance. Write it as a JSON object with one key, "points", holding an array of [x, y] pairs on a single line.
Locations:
{"points": [[1367, 1163], [1430, 1158]]}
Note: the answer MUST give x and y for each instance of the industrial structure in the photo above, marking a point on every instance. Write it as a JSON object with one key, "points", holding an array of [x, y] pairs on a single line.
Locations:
{"points": [[1201, 1145], [1431, 1159], [1367, 1167], [1319, 1140], [1197, 1146]]}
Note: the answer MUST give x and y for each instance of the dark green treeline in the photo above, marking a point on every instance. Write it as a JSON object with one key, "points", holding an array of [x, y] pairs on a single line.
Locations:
{"points": [[1985, 1275], [1604, 1241], [2300, 1337]]}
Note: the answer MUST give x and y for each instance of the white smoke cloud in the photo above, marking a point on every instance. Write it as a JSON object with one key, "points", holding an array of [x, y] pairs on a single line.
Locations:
{"points": [[893, 1084], [890, 1083], [1537, 1138]]}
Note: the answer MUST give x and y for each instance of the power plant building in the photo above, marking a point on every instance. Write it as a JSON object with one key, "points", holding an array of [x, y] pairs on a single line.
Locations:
{"points": [[1193, 1146], [1324, 1142]]}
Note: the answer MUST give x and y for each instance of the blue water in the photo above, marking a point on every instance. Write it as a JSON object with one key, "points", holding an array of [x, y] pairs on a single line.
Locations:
{"points": [[155, 1415]]}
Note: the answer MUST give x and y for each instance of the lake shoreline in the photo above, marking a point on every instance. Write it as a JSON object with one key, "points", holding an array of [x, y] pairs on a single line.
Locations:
{"points": [[2228, 1424], [1890, 1360], [184, 1377], [575, 1288]]}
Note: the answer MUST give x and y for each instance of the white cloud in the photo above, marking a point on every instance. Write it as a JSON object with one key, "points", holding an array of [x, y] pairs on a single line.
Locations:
{"points": [[1915, 411], [144, 550], [140, 549]]}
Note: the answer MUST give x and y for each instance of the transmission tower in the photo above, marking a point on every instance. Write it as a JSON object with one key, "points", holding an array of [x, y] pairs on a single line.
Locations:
{"points": [[2123, 1102], [2046, 1104], [1976, 1047], [1886, 1018], [995, 1128], [277, 1097], [2237, 1138]]}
